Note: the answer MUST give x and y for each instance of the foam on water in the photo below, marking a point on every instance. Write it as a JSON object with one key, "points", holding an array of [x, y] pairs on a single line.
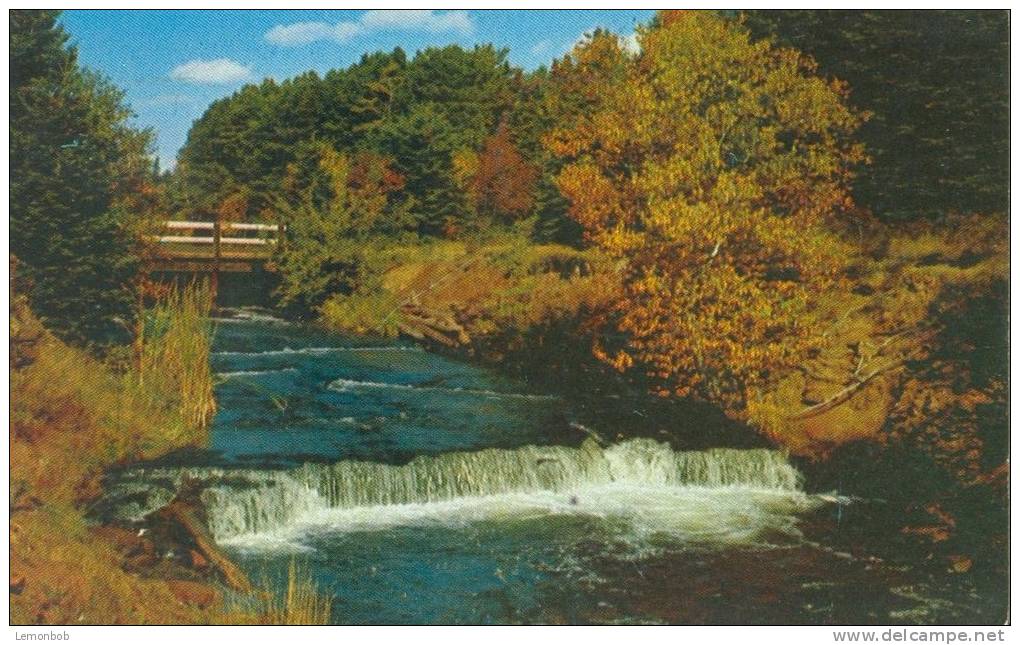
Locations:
{"points": [[316, 351], [348, 385], [226, 375], [249, 315], [694, 515], [718, 496]]}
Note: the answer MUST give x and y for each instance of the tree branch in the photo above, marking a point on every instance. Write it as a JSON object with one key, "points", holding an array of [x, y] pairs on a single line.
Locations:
{"points": [[844, 394]]}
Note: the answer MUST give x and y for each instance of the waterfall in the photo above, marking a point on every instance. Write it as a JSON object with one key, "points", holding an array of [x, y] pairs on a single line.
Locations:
{"points": [[638, 476]]}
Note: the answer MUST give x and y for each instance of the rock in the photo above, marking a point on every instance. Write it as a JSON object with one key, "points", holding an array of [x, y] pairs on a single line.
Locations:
{"points": [[125, 541], [193, 593], [138, 552]]}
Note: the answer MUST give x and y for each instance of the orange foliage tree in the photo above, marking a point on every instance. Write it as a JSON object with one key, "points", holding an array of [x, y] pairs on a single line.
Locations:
{"points": [[710, 172], [234, 207], [503, 185]]}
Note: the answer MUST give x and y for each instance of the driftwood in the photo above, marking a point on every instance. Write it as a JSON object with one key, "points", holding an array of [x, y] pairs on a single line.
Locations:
{"points": [[859, 380], [421, 331], [423, 324], [843, 395], [599, 439], [184, 515]]}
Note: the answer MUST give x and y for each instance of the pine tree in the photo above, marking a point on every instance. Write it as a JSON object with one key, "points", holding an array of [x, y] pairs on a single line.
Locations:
{"points": [[72, 160], [937, 86]]}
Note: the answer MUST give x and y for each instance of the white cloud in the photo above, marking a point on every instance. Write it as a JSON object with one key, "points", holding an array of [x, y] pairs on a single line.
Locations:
{"points": [[304, 33], [216, 71], [299, 33], [630, 43], [423, 19]]}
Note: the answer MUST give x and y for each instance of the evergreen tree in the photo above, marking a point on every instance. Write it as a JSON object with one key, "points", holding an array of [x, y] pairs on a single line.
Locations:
{"points": [[937, 85], [73, 163], [472, 89], [422, 144]]}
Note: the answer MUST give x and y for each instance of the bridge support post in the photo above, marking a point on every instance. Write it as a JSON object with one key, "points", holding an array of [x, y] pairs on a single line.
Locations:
{"points": [[217, 236]]}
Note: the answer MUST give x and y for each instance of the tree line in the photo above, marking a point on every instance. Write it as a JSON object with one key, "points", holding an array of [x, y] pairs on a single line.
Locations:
{"points": [[717, 161]]}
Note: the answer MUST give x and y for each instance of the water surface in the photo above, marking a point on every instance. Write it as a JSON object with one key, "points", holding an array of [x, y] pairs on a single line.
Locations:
{"points": [[417, 489]]}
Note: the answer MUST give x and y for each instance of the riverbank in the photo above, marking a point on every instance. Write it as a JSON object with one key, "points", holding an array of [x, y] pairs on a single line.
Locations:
{"points": [[902, 396], [72, 418]]}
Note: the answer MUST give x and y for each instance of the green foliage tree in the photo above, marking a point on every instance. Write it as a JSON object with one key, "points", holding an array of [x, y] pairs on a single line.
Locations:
{"points": [[446, 99], [335, 203], [422, 144], [74, 166], [937, 85], [472, 89]]}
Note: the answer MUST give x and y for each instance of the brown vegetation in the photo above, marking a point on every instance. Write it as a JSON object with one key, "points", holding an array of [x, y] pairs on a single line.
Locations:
{"points": [[73, 416]]}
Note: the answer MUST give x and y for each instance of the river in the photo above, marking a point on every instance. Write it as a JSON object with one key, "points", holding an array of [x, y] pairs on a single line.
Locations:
{"points": [[417, 489]]}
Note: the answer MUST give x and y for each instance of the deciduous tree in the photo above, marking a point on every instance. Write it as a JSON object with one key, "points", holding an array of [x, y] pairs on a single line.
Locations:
{"points": [[710, 172]]}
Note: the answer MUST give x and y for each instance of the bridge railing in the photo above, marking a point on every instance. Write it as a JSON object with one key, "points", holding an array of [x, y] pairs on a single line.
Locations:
{"points": [[217, 237]]}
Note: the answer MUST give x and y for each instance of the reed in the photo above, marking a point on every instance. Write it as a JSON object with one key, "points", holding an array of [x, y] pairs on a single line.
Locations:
{"points": [[173, 356], [300, 603]]}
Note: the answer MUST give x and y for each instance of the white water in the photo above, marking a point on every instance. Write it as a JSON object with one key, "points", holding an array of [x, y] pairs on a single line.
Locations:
{"points": [[718, 496], [348, 385], [284, 370], [316, 351]]}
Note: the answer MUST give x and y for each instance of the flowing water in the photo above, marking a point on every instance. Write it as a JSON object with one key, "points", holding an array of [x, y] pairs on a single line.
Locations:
{"points": [[417, 489]]}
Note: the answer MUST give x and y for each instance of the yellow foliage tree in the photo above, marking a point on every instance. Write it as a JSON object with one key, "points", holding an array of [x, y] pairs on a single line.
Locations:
{"points": [[710, 173]]}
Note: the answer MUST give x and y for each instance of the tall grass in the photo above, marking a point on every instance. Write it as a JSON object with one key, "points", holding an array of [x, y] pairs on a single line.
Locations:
{"points": [[300, 602], [173, 362]]}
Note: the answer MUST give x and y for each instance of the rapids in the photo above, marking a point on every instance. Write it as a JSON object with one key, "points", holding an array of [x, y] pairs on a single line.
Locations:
{"points": [[419, 490]]}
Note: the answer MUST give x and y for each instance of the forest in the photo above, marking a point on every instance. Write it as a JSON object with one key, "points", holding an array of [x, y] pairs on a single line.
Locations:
{"points": [[790, 217]]}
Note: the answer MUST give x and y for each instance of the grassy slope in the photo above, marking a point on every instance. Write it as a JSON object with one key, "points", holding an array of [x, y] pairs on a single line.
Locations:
{"points": [[502, 285], [71, 418], [897, 317], [892, 315]]}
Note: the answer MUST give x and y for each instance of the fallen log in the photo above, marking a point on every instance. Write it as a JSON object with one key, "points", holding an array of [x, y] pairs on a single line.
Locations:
{"points": [[436, 321], [422, 324], [429, 333], [184, 516], [407, 330]]}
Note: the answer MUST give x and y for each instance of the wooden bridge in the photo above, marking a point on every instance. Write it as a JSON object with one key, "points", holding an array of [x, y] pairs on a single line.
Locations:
{"points": [[214, 247]]}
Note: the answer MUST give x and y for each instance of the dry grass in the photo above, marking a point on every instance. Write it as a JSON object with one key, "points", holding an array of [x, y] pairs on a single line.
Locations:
{"points": [[73, 416], [883, 316], [300, 603], [497, 283]]}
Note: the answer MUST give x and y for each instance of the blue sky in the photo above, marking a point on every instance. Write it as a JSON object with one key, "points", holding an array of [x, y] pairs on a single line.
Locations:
{"points": [[172, 64]]}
